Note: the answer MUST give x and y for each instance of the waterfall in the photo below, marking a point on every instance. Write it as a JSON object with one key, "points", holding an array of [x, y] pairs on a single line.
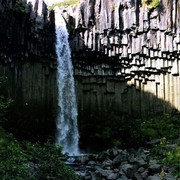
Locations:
{"points": [[67, 128]]}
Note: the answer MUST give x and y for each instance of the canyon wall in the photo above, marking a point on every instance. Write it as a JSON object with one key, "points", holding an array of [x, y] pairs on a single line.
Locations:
{"points": [[28, 60], [126, 57], [137, 46]]}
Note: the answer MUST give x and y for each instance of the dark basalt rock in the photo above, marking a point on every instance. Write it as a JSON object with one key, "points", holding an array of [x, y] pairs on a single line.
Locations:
{"points": [[99, 170], [28, 60]]}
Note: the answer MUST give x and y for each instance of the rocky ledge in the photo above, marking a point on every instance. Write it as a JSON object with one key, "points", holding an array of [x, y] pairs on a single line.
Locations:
{"points": [[118, 164]]}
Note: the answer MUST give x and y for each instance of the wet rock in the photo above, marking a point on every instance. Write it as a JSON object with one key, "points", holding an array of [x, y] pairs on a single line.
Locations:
{"points": [[138, 176], [107, 163], [145, 174], [103, 173], [154, 142], [112, 176], [170, 147], [141, 169], [123, 156], [117, 160], [168, 177], [154, 167], [124, 166], [113, 152], [140, 162], [91, 163], [128, 170], [124, 177], [154, 177], [83, 159], [103, 156]]}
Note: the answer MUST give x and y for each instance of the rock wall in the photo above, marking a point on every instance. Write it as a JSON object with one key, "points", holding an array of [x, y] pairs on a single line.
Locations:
{"points": [[28, 60], [127, 59], [139, 46]]}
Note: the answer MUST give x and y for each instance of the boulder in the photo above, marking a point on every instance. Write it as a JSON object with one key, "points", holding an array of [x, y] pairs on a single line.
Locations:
{"points": [[137, 176], [128, 170], [154, 177], [112, 176]]}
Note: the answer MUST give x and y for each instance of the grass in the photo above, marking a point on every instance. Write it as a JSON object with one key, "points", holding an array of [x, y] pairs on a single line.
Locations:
{"points": [[33, 161], [151, 3], [168, 155], [65, 3]]}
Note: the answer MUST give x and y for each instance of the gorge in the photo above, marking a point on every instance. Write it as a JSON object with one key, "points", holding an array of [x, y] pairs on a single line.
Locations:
{"points": [[126, 65]]}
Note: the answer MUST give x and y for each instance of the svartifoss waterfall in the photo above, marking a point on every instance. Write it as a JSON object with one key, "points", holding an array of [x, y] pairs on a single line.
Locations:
{"points": [[67, 128]]}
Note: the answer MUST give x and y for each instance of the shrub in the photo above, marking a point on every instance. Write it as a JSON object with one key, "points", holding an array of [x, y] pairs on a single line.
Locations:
{"points": [[47, 160], [13, 160], [168, 155], [26, 160], [137, 132], [19, 6], [151, 3], [4, 101], [64, 3], [162, 126]]}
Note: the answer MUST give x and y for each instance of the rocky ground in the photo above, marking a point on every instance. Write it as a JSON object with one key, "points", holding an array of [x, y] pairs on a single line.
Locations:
{"points": [[118, 164]]}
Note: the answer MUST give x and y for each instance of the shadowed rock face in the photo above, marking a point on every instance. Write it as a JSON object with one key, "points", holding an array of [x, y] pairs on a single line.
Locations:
{"points": [[26, 30], [126, 61], [27, 58]]}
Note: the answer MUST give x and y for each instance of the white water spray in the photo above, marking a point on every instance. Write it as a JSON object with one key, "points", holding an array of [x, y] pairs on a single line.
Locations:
{"points": [[67, 128]]}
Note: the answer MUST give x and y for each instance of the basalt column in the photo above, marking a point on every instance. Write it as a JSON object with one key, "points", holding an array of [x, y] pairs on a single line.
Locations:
{"points": [[126, 56], [28, 60]]}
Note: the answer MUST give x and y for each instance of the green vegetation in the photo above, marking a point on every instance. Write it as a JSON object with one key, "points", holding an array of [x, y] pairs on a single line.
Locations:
{"points": [[26, 160], [19, 6], [169, 155], [112, 8], [136, 132], [13, 160], [151, 3], [31, 161], [172, 159], [163, 126], [4, 101], [65, 3]]}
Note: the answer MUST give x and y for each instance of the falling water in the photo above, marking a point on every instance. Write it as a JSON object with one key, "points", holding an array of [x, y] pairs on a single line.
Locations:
{"points": [[67, 130]]}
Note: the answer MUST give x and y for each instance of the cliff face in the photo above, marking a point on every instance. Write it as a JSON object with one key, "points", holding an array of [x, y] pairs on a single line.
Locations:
{"points": [[27, 58], [126, 61], [135, 45], [126, 57], [141, 40], [26, 29]]}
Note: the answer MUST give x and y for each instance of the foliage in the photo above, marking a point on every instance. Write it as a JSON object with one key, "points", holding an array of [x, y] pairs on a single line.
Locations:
{"points": [[4, 101], [112, 7], [31, 161], [137, 132], [166, 128], [169, 155], [64, 3], [151, 3], [163, 126], [172, 159], [19, 6], [13, 160], [4, 106], [48, 161], [154, 4]]}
